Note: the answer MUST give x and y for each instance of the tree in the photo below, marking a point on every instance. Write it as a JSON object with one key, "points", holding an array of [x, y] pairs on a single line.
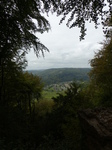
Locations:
{"points": [[22, 90], [64, 121], [17, 31], [17, 27], [81, 11], [100, 74], [32, 88]]}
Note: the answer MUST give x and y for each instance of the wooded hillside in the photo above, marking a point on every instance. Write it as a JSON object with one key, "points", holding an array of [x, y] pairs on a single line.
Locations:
{"points": [[52, 76]]}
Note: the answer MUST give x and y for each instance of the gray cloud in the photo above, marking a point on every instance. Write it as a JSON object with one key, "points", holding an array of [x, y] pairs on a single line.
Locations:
{"points": [[65, 48]]}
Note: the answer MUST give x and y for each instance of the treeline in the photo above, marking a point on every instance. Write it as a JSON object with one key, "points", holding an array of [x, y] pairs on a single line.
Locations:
{"points": [[54, 76]]}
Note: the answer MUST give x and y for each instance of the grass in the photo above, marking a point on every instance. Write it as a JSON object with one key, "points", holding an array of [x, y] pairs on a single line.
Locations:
{"points": [[49, 94]]}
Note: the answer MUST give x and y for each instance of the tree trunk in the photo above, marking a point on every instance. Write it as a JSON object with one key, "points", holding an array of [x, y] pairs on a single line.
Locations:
{"points": [[2, 81], [29, 97]]}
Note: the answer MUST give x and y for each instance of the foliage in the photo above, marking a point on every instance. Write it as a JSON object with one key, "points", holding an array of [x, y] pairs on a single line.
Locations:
{"points": [[108, 26], [18, 106], [17, 27], [54, 76], [19, 86], [26, 122], [17, 34], [81, 11], [43, 107], [101, 73], [64, 118]]}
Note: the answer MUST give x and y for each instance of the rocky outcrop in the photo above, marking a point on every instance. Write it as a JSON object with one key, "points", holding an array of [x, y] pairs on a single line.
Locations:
{"points": [[96, 129]]}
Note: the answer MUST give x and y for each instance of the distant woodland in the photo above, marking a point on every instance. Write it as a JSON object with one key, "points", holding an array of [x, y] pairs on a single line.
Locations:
{"points": [[35, 118], [54, 76]]}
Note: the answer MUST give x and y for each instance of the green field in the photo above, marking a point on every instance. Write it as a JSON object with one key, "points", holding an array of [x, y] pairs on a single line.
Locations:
{"points": [[49, 94]]}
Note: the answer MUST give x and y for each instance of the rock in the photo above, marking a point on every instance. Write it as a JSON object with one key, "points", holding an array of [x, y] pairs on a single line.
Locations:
{"points": [[96, 129]]}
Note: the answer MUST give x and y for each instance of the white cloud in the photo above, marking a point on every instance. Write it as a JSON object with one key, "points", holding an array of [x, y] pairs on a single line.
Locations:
{"points": [[65, 48]]}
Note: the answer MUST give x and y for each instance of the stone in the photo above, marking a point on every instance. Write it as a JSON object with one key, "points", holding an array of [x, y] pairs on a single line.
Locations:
{"points": [[96, 128]]}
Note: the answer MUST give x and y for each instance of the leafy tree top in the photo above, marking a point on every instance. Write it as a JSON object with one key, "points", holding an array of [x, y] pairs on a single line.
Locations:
{"points": [[81, 11], [17, 27]]}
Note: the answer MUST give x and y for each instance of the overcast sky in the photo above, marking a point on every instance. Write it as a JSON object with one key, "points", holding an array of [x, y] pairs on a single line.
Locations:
{"points": [[66, 50]]}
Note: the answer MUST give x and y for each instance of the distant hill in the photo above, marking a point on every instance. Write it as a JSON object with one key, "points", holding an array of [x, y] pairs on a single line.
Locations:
{"points": [[53, 76]]}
